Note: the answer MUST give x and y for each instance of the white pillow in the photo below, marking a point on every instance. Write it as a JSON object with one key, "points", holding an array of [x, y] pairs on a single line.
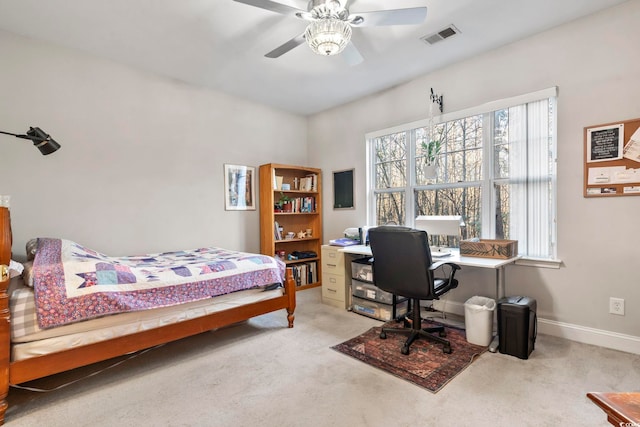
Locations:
{"points": [[27, 274], [15, 269]]}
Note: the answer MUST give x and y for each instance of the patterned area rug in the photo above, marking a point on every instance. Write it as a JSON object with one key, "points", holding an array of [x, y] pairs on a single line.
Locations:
{"points": [[426, 364]]}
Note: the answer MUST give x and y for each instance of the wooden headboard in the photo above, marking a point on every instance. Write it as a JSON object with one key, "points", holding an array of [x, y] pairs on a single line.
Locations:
{"points": [[5, 332], [5, 236]]}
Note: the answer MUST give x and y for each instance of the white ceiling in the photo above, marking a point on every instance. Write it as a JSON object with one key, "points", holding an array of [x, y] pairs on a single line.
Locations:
{"points": [[221, 43]]}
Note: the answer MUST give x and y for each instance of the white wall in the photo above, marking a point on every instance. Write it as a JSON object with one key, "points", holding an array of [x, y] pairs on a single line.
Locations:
{"points": [[140, 167], [595, 64], [141, 164]]}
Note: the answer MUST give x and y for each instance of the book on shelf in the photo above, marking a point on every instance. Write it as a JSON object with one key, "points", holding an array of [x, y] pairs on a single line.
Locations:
{"points": [[305, 274], [278, 182], [277, 234], [303, 204], [308, 204], [304, 184], [313, 274], [309, 183]]}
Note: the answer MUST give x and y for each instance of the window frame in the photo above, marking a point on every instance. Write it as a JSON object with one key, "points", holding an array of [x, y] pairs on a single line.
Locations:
{"points": [[487, 182]]}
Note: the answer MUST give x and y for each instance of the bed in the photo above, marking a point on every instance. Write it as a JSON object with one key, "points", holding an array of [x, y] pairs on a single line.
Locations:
{"points": [[96, 327]]}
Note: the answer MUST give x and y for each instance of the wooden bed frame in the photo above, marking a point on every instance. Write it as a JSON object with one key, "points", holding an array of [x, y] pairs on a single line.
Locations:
{"points": [[38, 367]]}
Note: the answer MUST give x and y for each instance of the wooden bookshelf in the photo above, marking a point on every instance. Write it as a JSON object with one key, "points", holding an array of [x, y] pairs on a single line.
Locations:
{"points": [[304, 214]]}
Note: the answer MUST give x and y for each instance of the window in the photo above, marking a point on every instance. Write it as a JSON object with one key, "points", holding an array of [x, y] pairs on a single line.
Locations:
{"points": [[495, 166]]}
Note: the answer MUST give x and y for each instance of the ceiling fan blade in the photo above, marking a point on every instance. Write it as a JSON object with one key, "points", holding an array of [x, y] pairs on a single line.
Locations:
{"points": [[410, 16], [351, 54], [273, 6], [286, 47]]}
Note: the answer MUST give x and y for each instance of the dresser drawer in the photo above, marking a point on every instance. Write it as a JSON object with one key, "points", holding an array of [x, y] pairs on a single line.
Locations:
{"points": [[332, 261], [333, 287]]}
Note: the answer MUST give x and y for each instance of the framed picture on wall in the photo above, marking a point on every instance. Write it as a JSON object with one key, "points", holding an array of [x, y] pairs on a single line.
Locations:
{"points": [[239, 188]]}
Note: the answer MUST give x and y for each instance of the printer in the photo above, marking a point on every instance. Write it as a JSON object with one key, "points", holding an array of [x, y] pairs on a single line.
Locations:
{"points": [[360, 234]]}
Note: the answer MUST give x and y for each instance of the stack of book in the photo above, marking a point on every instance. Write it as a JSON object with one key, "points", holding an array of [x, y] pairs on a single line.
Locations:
{"points": [[304, 204], [344, 241], [305, 274], [309, 183]]}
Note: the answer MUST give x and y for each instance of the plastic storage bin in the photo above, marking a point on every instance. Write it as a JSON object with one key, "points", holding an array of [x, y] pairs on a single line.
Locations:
{"points": [[517, 325], [362, 270], [478, 320], [372, 292], [379, 310], [368, 299]]}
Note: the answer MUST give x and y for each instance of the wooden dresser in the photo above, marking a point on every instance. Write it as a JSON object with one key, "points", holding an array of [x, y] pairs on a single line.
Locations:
{"points": [[621, 408]]}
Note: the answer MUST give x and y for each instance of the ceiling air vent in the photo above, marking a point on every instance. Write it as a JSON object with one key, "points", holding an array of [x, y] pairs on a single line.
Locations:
{"points": [[445, 33]]}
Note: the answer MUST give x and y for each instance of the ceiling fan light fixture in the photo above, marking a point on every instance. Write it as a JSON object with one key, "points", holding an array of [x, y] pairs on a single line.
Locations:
{"points": [[328, 36]]}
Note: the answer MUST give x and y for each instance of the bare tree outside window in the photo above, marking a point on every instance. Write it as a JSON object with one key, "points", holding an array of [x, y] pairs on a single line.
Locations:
{"points": [[495, 169], [390, 176]]}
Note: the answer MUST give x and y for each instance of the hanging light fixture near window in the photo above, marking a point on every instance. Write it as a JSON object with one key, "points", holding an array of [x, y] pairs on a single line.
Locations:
{"points": [[432, 146]]}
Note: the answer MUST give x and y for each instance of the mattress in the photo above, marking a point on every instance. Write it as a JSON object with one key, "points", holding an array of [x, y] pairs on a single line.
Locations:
{"points": [[32, 341], [73, 283]]}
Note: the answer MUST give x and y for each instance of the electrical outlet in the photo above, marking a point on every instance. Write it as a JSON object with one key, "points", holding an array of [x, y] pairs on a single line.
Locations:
{"points": [[616, 306]]}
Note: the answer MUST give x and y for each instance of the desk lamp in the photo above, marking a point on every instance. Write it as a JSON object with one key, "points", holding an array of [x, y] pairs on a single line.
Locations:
{"points": [[40, 139], [440, 225]]}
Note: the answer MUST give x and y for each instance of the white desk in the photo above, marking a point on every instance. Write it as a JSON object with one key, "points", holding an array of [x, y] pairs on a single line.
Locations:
{"points": [[467, 261]]}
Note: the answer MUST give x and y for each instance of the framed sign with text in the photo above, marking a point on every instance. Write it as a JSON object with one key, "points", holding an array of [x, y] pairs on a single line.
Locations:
{"points": [[605, 143], [612, 159]]}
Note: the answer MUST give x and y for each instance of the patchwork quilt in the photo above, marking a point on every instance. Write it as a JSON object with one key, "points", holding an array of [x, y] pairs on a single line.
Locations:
{"points": [[73, 283]]}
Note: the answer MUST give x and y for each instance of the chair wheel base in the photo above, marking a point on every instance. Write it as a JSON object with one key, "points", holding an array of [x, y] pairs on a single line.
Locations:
{"points": [[435, 333]]}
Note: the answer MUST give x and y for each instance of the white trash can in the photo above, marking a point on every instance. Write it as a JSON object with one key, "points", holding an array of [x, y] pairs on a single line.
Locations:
{"points": [[478, 320]]}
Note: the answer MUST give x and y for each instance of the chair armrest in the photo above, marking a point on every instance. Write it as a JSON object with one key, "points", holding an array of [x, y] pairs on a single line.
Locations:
{"points": [[450, 282], [439, 264]]}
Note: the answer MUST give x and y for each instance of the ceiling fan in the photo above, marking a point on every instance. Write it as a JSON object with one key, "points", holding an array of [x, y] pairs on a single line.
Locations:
{"points": [[329, 29]]}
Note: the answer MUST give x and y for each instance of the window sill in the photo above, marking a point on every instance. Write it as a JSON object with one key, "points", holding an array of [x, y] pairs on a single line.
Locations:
{"points": [[540, 263]]}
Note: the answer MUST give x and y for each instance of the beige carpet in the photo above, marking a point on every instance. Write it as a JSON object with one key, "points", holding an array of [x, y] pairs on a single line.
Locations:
{"points": [[262, 374]]}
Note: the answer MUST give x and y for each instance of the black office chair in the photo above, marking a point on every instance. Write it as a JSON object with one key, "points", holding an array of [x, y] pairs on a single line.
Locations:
{"points": [[402, 265]]}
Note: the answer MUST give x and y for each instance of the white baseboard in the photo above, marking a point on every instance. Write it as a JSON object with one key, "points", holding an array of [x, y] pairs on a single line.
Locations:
{"points": [[449, 306], [583, 334]]}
